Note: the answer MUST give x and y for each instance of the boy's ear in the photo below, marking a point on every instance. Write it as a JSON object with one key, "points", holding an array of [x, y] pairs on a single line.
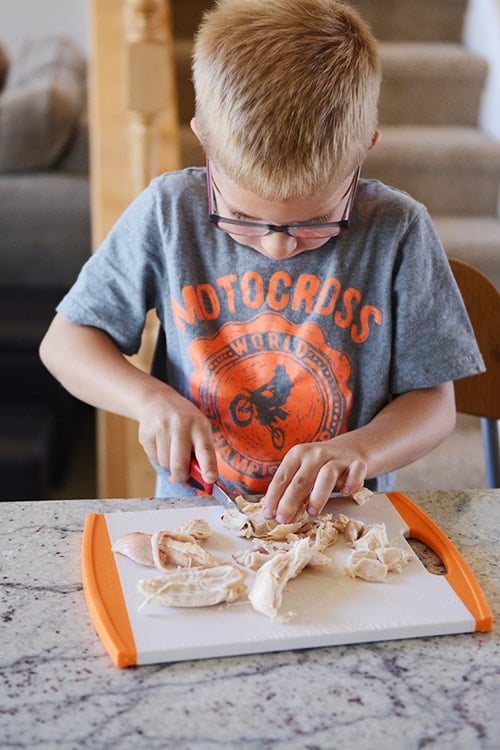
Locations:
{"points": [[193, 127], [375, 139]]}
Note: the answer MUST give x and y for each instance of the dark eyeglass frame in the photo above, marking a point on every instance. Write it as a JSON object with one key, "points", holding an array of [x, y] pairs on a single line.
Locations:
{"points": [[299, 231]]}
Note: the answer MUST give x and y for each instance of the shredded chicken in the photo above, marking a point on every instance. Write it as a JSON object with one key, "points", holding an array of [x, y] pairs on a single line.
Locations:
{"points": [[372, 537], [323, 532], [263, 551], [182, 550], [137, 546], [266, 594], [394, 557], [248, 521], [361, 496], [198, 527], [340, 521], [365, 564], [374, 564], [280, 552], [352, 531], [167, 548], [195, 587]]}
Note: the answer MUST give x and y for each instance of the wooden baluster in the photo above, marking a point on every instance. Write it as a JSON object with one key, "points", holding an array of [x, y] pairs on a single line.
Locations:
{"points": [[152, 108], [151, 97], [134, 136]]}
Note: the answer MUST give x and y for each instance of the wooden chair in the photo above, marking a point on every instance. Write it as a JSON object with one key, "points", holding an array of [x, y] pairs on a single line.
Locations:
{"points": [[479, 395]]}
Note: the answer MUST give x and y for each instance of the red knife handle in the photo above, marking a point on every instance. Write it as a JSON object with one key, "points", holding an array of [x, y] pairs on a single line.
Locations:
{"points": [[195, 473]]}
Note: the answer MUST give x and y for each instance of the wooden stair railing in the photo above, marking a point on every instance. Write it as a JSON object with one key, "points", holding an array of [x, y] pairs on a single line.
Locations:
{"points": [[134, 135]]}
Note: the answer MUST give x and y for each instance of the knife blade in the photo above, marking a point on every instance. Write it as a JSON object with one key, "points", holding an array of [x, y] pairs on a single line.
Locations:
{"points": [[213, 488]]}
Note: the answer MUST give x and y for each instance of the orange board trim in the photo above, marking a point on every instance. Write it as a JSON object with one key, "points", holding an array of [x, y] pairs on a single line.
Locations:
{"points": [[103, 592], [458, 574]]}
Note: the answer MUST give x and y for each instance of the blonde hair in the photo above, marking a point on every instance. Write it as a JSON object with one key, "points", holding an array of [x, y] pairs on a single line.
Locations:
{"points": [[286, 93]]}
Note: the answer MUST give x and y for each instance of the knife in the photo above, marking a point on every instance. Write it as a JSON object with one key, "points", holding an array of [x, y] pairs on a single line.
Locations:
{"points": [[213, 489]]}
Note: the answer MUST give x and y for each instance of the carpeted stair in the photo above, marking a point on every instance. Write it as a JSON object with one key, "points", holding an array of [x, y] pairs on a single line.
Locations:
{"points": [[432, 145]]}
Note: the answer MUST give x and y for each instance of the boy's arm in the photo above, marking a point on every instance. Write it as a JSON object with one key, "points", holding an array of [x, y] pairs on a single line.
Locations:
{"points": [[89, 365], [405, 430]]}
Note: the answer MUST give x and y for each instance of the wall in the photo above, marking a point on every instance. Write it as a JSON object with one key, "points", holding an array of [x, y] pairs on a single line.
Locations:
{"points": [[482, 35], [24, 19]]}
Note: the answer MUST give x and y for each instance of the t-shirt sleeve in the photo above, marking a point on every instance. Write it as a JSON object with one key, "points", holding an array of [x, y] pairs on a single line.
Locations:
{"points": [[433, 338], [116, 287]]}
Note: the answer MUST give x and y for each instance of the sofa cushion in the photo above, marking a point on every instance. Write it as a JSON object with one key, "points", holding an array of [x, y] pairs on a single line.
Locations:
{"points": [[41, 104], [46, 57], [44, 228], [75, 159]]}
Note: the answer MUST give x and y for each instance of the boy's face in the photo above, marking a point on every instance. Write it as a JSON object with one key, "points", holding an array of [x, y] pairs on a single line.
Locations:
{"points": [[228, 200]]}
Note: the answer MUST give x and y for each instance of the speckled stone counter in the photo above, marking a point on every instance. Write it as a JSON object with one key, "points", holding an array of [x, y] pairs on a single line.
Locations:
{"points": [[59, 688]]}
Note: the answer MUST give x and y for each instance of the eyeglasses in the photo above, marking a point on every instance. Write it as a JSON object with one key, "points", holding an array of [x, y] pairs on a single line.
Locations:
{"points": [[300, 231]]}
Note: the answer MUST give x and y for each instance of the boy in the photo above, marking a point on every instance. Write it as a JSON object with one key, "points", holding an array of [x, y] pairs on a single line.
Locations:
{"points": [[312, 325]]}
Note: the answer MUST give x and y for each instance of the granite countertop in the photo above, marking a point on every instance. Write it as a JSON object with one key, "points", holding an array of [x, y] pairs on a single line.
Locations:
{"points": [[59, 688]]}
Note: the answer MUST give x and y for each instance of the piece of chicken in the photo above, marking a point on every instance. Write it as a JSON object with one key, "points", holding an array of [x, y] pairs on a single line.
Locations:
{"points": [[366, 565], [182, 550], [255, 557], [374, 564], [361, 496], [353, 529], [266, 594], [249, 521], [198, 527], [373, 536], [137, 546], [394, 557], [323, 532], [195, 587], [166, 548]]}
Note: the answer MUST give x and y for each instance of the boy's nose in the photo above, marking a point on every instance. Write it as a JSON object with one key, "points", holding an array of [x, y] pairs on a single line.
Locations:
{"points": [[278, 244]]}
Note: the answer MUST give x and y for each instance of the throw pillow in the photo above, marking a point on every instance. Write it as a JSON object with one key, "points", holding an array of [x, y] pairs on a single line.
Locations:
{"points": [[41, 104]]}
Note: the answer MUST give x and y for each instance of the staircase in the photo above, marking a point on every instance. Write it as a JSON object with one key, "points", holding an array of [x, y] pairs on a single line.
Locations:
{"points": [[432, 145]]}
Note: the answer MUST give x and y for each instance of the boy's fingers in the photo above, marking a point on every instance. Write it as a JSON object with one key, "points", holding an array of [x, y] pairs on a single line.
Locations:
{"points": [[151, 450], [323, 488], [162, 452], [275, 493], [207, 460], [285, 505], [353, 478], [208, 467]]}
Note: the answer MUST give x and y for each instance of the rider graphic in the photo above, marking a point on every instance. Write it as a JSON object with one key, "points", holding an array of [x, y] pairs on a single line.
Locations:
{"points": [[265, 404]]}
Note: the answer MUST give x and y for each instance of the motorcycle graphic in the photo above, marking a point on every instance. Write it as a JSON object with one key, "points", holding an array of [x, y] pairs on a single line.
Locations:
{"points": [[265, 404]]}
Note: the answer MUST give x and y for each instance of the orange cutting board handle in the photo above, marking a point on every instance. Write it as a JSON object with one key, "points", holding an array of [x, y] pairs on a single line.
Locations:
{"points": [[103, 592], [458, 574]]}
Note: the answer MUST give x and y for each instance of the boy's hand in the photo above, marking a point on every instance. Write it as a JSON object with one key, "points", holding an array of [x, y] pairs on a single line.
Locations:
{"points": [[408, 427], [308, 474], [171, 429], [90, 365]]}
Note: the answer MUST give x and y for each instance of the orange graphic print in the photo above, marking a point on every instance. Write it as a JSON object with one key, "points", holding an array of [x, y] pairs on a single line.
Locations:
{"points": [[267, 385]]}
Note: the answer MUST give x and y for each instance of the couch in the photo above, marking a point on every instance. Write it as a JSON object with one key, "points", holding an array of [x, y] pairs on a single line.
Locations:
{"points": [[44, 240]]}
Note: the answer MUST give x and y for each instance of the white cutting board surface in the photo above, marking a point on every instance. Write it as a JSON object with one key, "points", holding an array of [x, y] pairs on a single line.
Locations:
{"points": [[330, 607]]}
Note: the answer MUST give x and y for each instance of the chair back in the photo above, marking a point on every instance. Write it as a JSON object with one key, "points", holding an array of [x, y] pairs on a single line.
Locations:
{"points": [[479, 395]]}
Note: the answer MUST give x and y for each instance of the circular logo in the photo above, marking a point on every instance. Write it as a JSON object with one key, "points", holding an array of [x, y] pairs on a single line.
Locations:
{"points": [[266, 390]]}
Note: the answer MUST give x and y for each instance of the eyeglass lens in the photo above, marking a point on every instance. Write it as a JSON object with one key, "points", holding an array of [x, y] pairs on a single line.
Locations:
{"points": [[301, 231]]}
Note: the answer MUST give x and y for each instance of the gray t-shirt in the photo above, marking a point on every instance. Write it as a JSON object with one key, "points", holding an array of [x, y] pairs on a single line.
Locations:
{"points": [[278, 353]]}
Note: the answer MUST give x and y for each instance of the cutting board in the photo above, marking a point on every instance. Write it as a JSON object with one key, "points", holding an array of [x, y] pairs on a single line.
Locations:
{"points": [[330, 607]]}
